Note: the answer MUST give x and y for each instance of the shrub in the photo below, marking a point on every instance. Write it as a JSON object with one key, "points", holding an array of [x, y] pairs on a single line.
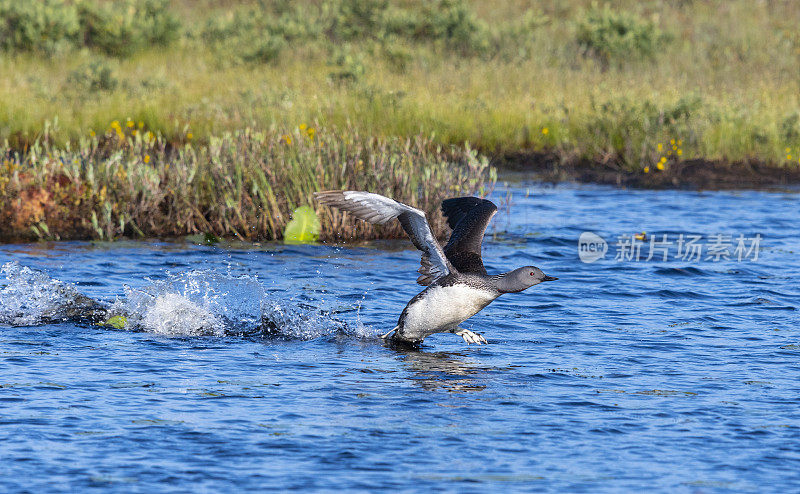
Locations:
{"points": [[454, 22], [451, 22], [617, 35], [256, 35], [294, 24], [349, 65], [95, 76], [790, 127], [352, 19], [242, 24], [117, 28], [122, 28], [43, 25], [265, 49]]}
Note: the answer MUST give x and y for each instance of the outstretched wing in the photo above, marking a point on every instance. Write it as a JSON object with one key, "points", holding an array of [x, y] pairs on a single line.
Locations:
{"points": [[468, 217], [378, 209]]}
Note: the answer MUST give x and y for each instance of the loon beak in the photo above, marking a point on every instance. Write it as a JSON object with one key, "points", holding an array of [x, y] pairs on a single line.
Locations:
{"points": [[549, 278]]}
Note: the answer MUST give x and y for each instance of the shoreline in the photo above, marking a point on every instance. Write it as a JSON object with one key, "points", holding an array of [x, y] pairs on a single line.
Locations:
{"points": [[698, 173], [121, 185]]}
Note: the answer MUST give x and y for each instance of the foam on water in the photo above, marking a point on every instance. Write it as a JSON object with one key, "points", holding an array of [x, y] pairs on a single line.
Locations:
{"points": [[194, 303], [30, 297], [174, 314]]}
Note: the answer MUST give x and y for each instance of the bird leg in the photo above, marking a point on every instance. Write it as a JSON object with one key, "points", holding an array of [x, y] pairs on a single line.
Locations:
{"points": [[384, 336], [469, 336]]}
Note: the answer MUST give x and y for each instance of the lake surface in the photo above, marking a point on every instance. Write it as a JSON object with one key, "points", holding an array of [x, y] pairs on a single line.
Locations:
{"points": [[677, 375]]}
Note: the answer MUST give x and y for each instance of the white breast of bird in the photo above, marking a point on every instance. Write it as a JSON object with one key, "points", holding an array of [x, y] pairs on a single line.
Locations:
{"points": [[445, 307]]}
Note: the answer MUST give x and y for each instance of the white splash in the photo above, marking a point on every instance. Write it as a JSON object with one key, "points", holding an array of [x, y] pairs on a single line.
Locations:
{"points": [[175, 315], [280, 317], [195, 303], [30, 297]]}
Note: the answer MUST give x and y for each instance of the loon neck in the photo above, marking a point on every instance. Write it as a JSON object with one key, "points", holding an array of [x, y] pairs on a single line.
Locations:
{"points": [[504, 283]]}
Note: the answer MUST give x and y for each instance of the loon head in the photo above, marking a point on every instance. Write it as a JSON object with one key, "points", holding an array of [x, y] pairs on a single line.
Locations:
{"points": [[521, 279]]}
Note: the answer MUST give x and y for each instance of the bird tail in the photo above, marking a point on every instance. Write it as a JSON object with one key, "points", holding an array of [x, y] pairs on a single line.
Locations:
{"points": [[383, 337]]}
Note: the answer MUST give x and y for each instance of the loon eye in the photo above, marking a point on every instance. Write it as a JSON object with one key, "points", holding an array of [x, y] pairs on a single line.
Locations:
{"points": [[531, 273]]}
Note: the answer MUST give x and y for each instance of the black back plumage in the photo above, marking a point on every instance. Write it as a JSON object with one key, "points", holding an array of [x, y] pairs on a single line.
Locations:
{"points": [[468, 217]]}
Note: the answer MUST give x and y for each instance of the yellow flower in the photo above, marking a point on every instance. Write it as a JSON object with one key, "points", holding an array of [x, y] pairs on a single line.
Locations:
{"points": [[303, 126], [91, 133], [545, 131], [680, 142], [115, 124], [311, 133], [141, 124], [647, 169], [788, 150], [663, 159], [286, 138], [134, 132], [659, 147], [680, 152], [660, 165], [189, 136], [672, 141], [146, 158], [129, 123]]}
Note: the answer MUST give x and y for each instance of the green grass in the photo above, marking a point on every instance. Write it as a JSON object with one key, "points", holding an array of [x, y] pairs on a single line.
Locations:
{"points": [[242, 185], [724, 77], [612, 84]]}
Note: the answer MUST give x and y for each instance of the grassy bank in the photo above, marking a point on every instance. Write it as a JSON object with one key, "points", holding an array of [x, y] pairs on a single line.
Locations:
{"points": [[641, 87], [241, 185]]}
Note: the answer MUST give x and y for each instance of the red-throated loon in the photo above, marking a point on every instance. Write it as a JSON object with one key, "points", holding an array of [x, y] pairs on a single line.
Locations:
{"points": [[458, 286]]}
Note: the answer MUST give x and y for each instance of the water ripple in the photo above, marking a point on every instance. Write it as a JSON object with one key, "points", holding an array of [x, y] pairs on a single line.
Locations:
{"points": [[248, 366]]}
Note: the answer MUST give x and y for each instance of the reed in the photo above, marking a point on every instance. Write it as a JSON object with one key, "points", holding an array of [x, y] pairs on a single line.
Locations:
{"points": [[132, 182]]}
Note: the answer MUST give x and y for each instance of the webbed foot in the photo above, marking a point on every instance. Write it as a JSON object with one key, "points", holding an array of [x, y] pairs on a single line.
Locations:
{"points": [[469, 336], [384, 336]]}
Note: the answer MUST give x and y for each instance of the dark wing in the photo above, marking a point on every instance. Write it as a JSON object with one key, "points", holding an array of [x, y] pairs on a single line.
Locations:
{"points": [[378, 209], [468, 217]]}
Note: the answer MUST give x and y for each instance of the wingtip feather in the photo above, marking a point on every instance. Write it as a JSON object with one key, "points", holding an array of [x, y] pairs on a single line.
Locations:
{"points": [[326, 196]]}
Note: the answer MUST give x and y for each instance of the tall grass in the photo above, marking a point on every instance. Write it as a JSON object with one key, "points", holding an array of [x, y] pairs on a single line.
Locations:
{"points": [[132, 182]]}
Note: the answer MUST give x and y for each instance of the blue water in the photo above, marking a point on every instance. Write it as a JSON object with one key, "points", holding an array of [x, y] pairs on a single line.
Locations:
{"points": [[674, 376]]}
